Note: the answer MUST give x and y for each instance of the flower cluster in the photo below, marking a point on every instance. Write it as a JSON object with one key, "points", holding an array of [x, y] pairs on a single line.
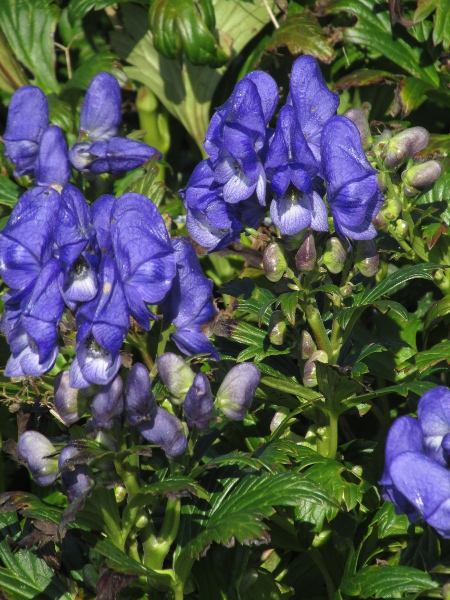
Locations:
{"points": [[35, 146], [417, 474], [160, 426], [310, 151]]}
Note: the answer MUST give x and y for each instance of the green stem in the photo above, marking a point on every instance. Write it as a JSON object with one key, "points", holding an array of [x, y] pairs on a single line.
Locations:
{"points": [[321, 564], [327, 440], [156, 547], [140, 342], [314, 319]]}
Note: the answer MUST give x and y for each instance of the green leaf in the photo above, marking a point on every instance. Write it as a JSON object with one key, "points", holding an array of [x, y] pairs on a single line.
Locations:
{"points": [[29, 27], [362, 77], [29, 505], [390, 524], [302, 34], [11, 73], [373, 29], [77, 9], [437, 311], [389, 582], [288, 304], [82, 76], [411, 94], [9, 192], [291, 387], [334, 386], [428, 358], [25, 576], [147, 184]]}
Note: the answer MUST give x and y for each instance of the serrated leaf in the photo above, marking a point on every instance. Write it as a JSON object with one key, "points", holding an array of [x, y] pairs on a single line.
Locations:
{"points": [[385, 305], [428, 358], [29, 505], [77, 9], [389, 582], [362, 77], [29, 26], [291, 387], [9, 192], [147, 184], [25, 575], [82, 76], [437, 311], [411, 94], [288, 303], [389, 523], [302, 34]]}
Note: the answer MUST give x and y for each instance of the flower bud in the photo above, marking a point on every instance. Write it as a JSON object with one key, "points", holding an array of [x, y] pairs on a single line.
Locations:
{"points": [[35, 449], [305, 259], [382, 141], [404, 145], [359, 118], [277, 328], [166, 431], [198, 405], [108, 404], [380, 221], [307, 345], [367, 258], [278, 418], [120, 493], [75, 481], [401, 228], [176, 375], [393, 209], [236, 392], [422, 175], [70, 403], [140, 404], [381, 180], [309, 371], [274, 261], [335, 255]]}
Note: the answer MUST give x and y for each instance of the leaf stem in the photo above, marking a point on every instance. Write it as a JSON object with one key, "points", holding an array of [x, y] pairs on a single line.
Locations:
{"points": [[314, 319], [156, 547]]}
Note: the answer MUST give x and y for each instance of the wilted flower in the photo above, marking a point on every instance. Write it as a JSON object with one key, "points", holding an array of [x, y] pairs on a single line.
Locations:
{"points": [[36, 449], [236, 392]]}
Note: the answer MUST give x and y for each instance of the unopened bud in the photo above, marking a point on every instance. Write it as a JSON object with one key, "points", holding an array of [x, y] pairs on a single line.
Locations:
{"points": [[423, 175], [274, 261], [108, 404], [393, 209], [335, 255], [307, 345], [382, 141], [277, 328], [120, 493], [305, 259], [236, 392], [401, 228], [381, 180], [176, 374], [198, 406], [310, 369], [70, 403], [380, 221], [404, 145], [75, 480], [346, 290], [35, 449], [166, 431], [140, 404], [367, 258], [359, 118]]}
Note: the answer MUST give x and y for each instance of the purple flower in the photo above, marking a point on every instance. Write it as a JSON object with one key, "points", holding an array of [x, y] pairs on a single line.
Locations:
{"points": [[166, 431], [198, 406], [236, 392], [36, 449], [416, 476], [313, 102], [140, 404], [352, 188], [108, 404], [52, 163], [75, 478], [27, 121], [101, 111], [176, 375], [189, 304], [119, 155]]}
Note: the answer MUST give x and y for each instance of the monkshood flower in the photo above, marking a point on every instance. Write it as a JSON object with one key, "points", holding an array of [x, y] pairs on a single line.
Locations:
{"points": [[140, 403], [98, 150], [27, 120], [417, 476], [198, 406], [291, 167], [236, 391], [176, 375], [52, 162], [237, 135], [75, 478], [313, 102], [108, 404], [189, 304], [352, 188], [36, 450], [166, 431], [70, 403]]}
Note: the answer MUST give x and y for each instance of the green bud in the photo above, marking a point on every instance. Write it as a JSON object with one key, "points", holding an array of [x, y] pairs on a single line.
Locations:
{"points": [[274, 261], [277, 328], [305, 259], [335, 255], [393, 209], [422, 175], [401, 228], [438, 275], [380, 221], [142, 520], [176, 375], [346, 290], [367, 258], [120, 493], [382, 141], [310, 370], [307, 345], [381, 179], [359, 118], [404, 145]]}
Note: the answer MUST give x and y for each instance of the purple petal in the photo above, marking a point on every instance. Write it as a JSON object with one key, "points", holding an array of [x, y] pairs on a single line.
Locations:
{"points": [[101, 112], [434, 418], [291, 213], [198, 406], [236, 392], [52, 164], [94, 365], [140, 404], [166, 431], [121, 155], [75, 481], [34, 448], [108, 404]]}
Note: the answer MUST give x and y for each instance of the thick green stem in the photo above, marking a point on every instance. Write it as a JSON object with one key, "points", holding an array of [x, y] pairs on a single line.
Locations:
{"points": [[314, 319], [321, 564], [156, 547], [327, 435]]}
